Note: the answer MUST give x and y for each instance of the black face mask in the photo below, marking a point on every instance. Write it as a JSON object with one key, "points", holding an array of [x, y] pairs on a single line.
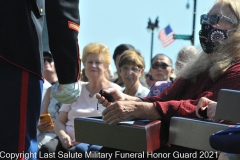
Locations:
{"points": [[210, 37]]}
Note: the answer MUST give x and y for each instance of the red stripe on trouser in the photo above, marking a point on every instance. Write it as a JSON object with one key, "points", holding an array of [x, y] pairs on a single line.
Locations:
{"points": [[23, 113]]}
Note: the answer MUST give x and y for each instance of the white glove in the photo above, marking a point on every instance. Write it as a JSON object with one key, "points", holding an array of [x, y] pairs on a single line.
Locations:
{"points": [[69, 93]]}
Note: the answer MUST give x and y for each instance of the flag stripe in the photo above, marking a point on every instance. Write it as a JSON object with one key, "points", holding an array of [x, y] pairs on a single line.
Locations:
{"points": [[168, 40], [166, 36], [168, 43]]}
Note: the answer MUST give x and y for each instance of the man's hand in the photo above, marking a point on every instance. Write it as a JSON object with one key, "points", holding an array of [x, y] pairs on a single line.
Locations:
{"points": [[119, 111], [67, 93], [116, 94]]}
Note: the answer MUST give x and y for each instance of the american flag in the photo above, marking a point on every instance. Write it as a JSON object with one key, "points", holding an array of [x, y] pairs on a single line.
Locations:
{"points": [[166, 36]]}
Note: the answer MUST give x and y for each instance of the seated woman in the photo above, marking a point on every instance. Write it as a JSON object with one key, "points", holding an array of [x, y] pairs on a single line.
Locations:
{"points": [[50, 104], [161, 71], [116, 55], [96, 59], [131, 68]]}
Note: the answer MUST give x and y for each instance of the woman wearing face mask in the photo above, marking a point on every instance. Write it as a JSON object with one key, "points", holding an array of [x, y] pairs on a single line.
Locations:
{"points": [[216, 68]]}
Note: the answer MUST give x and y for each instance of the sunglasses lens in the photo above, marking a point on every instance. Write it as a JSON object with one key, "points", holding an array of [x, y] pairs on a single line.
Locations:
{"points": [[154, 66], [162, 66], [214, 19]]}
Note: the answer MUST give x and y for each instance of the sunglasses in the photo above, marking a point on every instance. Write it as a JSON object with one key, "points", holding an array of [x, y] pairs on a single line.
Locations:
{"points": [[148, 76], [48, 59], [214, 19], [162, 66]]}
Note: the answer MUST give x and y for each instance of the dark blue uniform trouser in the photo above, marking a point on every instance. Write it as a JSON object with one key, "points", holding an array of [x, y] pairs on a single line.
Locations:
{"points": [[20, 101]]}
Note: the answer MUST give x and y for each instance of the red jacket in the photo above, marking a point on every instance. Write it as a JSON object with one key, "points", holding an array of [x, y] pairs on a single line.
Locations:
{"points": [[181, 98]]}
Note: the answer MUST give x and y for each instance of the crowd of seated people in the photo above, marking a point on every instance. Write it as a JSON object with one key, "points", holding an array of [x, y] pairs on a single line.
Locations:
{"points": [[201, 75], [215, 68], [96, 60]]}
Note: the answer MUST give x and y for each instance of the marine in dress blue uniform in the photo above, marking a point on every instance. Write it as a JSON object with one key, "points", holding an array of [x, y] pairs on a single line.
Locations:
{"points": [[21, 64]]}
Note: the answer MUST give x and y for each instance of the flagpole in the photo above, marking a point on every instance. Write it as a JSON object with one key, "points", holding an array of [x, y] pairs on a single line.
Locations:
{"points": [[189, 37], [194, 19], [151, 48], [151, 26]]}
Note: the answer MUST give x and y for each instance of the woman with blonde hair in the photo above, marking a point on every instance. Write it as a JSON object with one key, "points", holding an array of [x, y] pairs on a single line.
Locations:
{"points": [[96, 60]]}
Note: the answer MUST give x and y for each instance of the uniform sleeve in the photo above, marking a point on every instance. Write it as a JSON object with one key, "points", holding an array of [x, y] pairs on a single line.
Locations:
{"points": [[63, 25], [170, 104]]}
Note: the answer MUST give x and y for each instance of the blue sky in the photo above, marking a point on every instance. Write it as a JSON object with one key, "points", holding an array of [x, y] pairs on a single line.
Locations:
{"points": [[113, 22]]}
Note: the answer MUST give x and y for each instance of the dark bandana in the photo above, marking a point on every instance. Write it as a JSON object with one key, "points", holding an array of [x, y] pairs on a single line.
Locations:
{"points": [[209, 37]]}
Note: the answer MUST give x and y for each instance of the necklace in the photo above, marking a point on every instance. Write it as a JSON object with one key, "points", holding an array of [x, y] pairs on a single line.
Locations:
{"points": [[90, 94]]}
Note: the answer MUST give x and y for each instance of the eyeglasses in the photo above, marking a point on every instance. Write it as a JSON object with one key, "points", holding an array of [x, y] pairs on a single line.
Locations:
{"points": [[148, 76], [125, 69], [214, 18], [48, 59], [161, 65]]}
